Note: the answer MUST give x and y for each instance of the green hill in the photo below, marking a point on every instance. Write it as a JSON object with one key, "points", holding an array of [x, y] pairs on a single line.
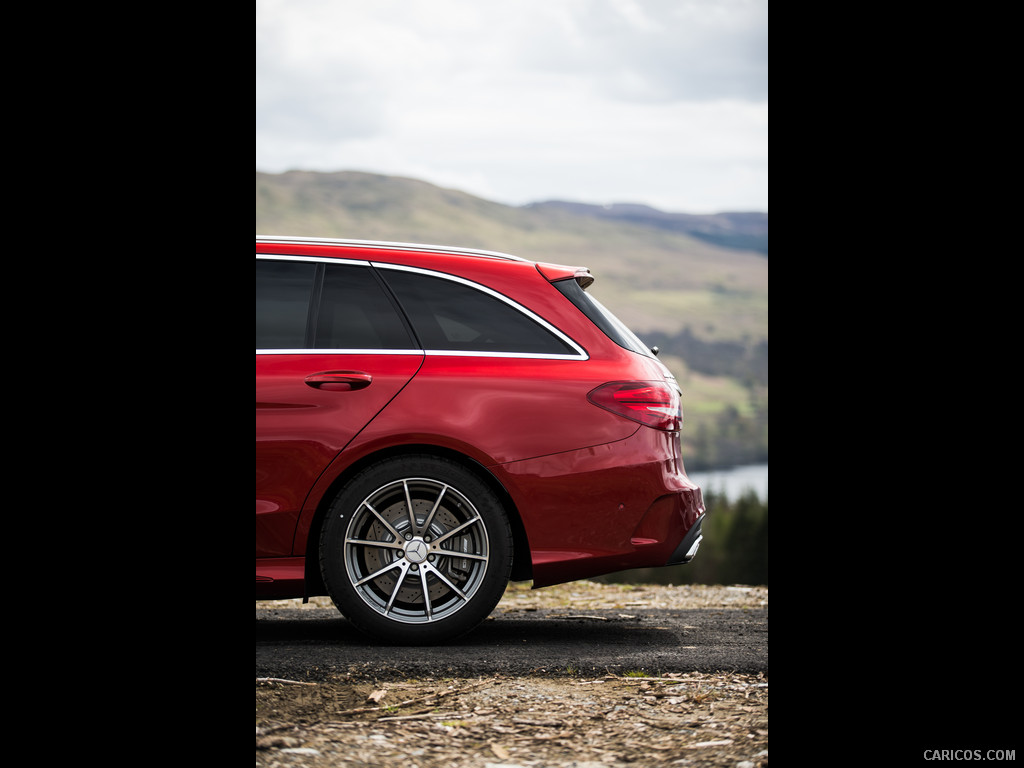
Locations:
{"points": [[679, 280]]}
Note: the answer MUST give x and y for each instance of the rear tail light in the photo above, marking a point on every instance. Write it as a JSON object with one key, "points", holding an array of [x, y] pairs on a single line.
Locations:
{"points": [[653, 403]]}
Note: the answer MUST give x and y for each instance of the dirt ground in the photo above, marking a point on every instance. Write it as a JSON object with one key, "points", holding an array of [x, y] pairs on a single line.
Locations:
{"points": [[571, 720]]}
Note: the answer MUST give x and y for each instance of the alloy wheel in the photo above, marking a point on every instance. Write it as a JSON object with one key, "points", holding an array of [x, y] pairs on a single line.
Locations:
{"points": [[416, 550]]}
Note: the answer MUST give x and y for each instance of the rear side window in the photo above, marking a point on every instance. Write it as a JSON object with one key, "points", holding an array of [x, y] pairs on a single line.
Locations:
{"points": [[284, 290], [453, 316], [305, 305], [357, 313]]}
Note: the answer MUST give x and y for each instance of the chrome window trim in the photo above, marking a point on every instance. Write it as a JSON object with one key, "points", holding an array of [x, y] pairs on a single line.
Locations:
{"points": [[419, 353], [581, 354], [516, 355]]}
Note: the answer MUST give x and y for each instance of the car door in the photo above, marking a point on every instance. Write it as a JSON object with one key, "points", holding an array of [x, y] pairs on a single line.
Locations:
{"points": [[332, 351]]}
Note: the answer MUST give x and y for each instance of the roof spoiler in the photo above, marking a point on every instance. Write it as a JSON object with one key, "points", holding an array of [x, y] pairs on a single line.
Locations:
{"points": [[555, 272]]}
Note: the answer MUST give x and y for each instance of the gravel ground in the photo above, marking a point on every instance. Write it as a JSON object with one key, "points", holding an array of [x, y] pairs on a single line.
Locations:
{"points": [[568, 720]]}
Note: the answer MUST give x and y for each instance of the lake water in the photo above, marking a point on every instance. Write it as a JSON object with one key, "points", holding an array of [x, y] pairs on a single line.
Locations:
{"points": [[733, 483]]}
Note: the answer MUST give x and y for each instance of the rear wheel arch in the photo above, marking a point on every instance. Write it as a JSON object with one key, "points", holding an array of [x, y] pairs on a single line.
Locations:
{"points": [[522, 569]]}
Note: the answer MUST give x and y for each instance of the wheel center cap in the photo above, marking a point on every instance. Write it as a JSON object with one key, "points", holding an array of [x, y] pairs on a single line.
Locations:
{"points": [[416, 551]]}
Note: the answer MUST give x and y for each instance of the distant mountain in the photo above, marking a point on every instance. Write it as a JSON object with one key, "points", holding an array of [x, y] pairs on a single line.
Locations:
{"points": [[743, 231], [658, 271]]}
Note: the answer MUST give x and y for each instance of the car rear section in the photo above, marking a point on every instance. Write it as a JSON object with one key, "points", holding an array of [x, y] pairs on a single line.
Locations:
{"points": [[623, 503], [503, 424]]}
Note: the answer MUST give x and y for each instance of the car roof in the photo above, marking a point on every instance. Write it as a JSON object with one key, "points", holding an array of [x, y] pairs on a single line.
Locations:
{"points": [[550, 271], [419, 247]]}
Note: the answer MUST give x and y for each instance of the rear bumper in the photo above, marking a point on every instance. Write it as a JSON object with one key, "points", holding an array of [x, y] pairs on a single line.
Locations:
{"points": [[605, 509]]}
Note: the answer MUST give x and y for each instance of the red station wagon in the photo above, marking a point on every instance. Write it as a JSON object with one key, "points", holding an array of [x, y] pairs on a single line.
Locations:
{"points": [[433, 422]]}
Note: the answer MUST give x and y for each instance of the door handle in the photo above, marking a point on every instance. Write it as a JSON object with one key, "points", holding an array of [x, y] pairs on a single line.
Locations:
{"points": [[339, 381]]}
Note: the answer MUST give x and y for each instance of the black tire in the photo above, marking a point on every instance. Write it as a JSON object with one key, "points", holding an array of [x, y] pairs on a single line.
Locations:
{"points": [[378, 561]]}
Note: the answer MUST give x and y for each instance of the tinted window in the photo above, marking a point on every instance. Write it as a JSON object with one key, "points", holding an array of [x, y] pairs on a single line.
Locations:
{"points": [[612, 327], [452, 316], [357, 313], [283, 291]]}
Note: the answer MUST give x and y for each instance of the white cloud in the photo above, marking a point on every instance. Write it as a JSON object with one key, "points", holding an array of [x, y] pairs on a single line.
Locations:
{"points": [[595, 100]]}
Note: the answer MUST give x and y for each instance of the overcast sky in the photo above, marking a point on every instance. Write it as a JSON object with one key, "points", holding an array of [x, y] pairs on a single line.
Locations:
{"points": [[663, 102]]}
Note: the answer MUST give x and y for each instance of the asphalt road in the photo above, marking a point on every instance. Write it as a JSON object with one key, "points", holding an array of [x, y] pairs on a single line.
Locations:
{"points": [[319, 644]]}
